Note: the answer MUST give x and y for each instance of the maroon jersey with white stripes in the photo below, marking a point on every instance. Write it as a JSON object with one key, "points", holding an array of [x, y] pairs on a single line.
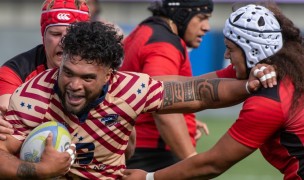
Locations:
{"points": [[102, 133], [266, 123]]}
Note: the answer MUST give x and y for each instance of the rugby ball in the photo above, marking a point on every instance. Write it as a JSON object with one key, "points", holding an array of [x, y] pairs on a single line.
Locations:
{"points": [[33, 146]]}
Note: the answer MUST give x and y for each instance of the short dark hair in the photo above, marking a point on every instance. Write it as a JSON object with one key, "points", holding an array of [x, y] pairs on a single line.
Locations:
{"points": [[95, 42]]}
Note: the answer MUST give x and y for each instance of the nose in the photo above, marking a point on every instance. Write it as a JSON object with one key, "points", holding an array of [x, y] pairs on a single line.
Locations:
{"points": [[61, 39], [205, 25], [60, 42], [227, 54], [75, 84]]}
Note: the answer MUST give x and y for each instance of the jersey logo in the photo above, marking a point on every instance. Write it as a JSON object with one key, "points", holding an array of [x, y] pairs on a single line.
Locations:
{"points": [[63, 16], [110, 119]]}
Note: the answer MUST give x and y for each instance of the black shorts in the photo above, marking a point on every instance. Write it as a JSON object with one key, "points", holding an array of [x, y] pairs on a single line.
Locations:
{"points": [[150, 160]]}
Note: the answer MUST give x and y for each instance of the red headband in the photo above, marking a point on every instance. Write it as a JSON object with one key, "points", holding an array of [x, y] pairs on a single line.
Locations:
{"points": [[62, 12]]}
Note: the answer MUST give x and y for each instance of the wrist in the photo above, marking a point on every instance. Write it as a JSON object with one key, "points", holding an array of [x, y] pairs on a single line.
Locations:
{"points": [[40, 170], [192, 154], [150, 176]]}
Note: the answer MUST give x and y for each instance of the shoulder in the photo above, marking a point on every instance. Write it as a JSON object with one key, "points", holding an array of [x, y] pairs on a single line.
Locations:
{"points": [[270, 93], [137, 90], [128, 78], [32, 98], [27, 62], [126, 82], [161, 33], [43, 83], [279, 93], [30, 57]]}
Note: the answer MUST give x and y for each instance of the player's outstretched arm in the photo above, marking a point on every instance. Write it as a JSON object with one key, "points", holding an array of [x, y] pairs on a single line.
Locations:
{"points": [[225, 153], [198, 94]]}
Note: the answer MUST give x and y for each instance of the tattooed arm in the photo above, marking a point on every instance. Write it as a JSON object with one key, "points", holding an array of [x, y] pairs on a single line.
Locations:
{"points": [[52, 164], [11, 166], [197, 94]]}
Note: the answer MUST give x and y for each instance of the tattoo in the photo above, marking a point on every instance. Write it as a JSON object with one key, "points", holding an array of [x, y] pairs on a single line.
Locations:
{"points": [[195, 90], [189, 96], [213, 89], [179, 93], [168, 100], [26, 170]]}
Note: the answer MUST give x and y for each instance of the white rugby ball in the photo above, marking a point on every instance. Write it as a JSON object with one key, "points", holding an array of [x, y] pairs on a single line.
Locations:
{"points": [[33, 146]]}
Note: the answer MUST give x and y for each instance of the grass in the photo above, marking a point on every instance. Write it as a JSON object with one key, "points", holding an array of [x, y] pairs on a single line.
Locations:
{"points": [[251, 168]]}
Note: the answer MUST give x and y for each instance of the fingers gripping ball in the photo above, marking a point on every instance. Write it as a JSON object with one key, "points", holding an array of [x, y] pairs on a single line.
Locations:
{"points": [[33, 146]]}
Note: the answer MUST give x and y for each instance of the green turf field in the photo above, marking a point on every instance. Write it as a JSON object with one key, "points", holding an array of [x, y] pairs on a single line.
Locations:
{"points": [[254, 167]]}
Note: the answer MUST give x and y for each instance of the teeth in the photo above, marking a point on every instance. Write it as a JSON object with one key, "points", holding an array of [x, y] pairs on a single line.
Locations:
{"points": [[74, 96]]}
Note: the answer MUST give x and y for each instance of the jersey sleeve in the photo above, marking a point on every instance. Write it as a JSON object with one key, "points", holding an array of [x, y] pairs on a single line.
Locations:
{"points": [[227, 72], [154, 96], [29, 103], [9, 80], [259, 119], [14, 115]]}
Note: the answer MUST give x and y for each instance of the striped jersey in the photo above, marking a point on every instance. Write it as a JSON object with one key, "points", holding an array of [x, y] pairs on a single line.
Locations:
{"points": [[101, 134]]}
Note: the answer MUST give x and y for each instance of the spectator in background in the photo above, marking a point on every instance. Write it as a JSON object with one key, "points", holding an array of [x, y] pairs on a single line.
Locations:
{"points": [[271, 120], [158, 46], [95, 10]]}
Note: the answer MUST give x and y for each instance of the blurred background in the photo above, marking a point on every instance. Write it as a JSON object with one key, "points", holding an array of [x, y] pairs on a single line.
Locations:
{"points": [[20, 31]]}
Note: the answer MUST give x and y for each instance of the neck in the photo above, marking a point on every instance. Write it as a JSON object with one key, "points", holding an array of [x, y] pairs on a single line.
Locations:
{"points": [[171, 24]]}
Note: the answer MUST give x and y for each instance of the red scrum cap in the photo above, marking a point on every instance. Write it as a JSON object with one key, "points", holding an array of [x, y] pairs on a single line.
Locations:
{"points": [[63, 12]]}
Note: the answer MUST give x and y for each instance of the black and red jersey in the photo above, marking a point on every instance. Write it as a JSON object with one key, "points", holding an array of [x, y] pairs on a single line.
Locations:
{"points": [[152, 48], [21, 68], [265, 123]]}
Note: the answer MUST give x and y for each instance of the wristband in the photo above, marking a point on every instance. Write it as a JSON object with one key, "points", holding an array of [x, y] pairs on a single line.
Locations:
{"points": [[150, 176], [246, 86]]}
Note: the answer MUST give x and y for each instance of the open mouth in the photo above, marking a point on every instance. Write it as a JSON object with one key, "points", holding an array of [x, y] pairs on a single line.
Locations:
{"points": [[74, 99], [59, 53], [199, 38]]}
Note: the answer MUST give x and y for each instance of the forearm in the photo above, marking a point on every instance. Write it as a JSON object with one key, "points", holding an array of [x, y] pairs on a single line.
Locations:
{"points": [[210, 75], [174, 131], [199, 94], [13, 168], [224, 154], [191, 168]]}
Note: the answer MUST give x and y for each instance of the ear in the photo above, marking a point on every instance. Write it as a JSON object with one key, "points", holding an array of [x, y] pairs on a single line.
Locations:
{"points": [[108, 74]]}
